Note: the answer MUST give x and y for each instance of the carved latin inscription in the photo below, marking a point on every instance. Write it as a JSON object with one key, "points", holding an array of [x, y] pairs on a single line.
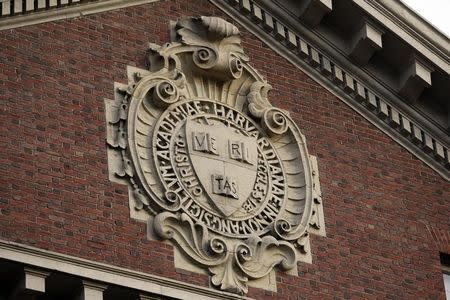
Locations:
{"points": [[204, 142], [224, 185]]}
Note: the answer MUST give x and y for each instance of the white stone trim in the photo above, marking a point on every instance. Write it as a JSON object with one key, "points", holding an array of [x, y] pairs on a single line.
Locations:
{"points": [[67, 12], [92, 290], [340, 82], [412, 28], [108, 274], [339, 55]]}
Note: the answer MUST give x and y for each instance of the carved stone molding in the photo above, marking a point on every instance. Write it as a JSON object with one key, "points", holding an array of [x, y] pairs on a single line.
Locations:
{"points": [[212, 166], [18, 13]]}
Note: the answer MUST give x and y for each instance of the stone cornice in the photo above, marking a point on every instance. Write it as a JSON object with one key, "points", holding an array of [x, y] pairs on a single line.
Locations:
{"points": [[107, 274], [337, 53], [338, 76], [47, 13], [412, 28]]}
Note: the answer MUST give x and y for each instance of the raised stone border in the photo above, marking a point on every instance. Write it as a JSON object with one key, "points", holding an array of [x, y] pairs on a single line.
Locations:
{"points": [[341, 83]]}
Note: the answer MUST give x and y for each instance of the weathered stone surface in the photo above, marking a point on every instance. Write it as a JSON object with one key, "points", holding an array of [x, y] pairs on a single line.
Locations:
{"points": [[30, 285], [366, 41], [211, 164], [415, 78], [91, 290], [312, 11]]}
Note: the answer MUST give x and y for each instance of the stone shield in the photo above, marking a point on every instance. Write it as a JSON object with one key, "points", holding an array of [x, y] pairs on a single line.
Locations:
{"points": [[224, 160]]}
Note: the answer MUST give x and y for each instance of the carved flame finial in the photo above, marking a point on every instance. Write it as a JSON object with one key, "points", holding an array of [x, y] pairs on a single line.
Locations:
{"points": [[219, 28]]}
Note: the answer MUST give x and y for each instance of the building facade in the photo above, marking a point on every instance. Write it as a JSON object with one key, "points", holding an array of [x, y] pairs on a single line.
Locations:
{"points": [[223, 150]]}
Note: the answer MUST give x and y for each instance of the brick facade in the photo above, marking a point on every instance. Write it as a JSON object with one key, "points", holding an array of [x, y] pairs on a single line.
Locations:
{"points": [[386, 212]]}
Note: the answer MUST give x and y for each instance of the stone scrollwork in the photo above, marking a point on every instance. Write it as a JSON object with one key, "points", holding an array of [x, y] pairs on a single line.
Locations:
{"points": [[252, 258], [211, 164], [274, 121], [192, 238], [257, 98], [165, 93]]}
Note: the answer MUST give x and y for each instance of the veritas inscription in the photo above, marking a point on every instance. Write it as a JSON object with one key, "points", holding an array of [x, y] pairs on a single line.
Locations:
{"points": [[202, 147]]}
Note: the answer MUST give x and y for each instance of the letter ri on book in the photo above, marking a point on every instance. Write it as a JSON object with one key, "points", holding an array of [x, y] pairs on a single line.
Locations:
{"points": [[207, 143]]}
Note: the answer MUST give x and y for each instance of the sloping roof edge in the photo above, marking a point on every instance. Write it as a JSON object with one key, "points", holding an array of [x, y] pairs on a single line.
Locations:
{"points": [[346, 87], [412, 28]]}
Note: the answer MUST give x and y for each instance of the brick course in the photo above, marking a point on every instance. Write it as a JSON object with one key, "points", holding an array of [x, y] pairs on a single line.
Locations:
{"points": [[387, 213]]}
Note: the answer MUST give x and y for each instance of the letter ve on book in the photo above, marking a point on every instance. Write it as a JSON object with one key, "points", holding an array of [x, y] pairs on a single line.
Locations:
{"points": [[204, 142]]}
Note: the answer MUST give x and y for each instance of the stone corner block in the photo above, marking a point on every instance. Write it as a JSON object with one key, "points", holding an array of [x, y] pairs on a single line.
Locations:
{"points": [[313, 11], [365, 42], [415, 78]]}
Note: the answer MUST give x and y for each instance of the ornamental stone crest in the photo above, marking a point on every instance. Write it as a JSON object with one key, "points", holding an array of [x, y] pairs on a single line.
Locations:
{"points": [[211, 165]]}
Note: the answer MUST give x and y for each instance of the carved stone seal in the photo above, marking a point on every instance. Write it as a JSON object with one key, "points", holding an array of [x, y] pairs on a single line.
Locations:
{"points": [[218, 170]]}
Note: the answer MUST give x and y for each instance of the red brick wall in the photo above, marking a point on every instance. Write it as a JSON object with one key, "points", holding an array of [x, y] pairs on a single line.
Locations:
{"points": [[384, 208]]}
